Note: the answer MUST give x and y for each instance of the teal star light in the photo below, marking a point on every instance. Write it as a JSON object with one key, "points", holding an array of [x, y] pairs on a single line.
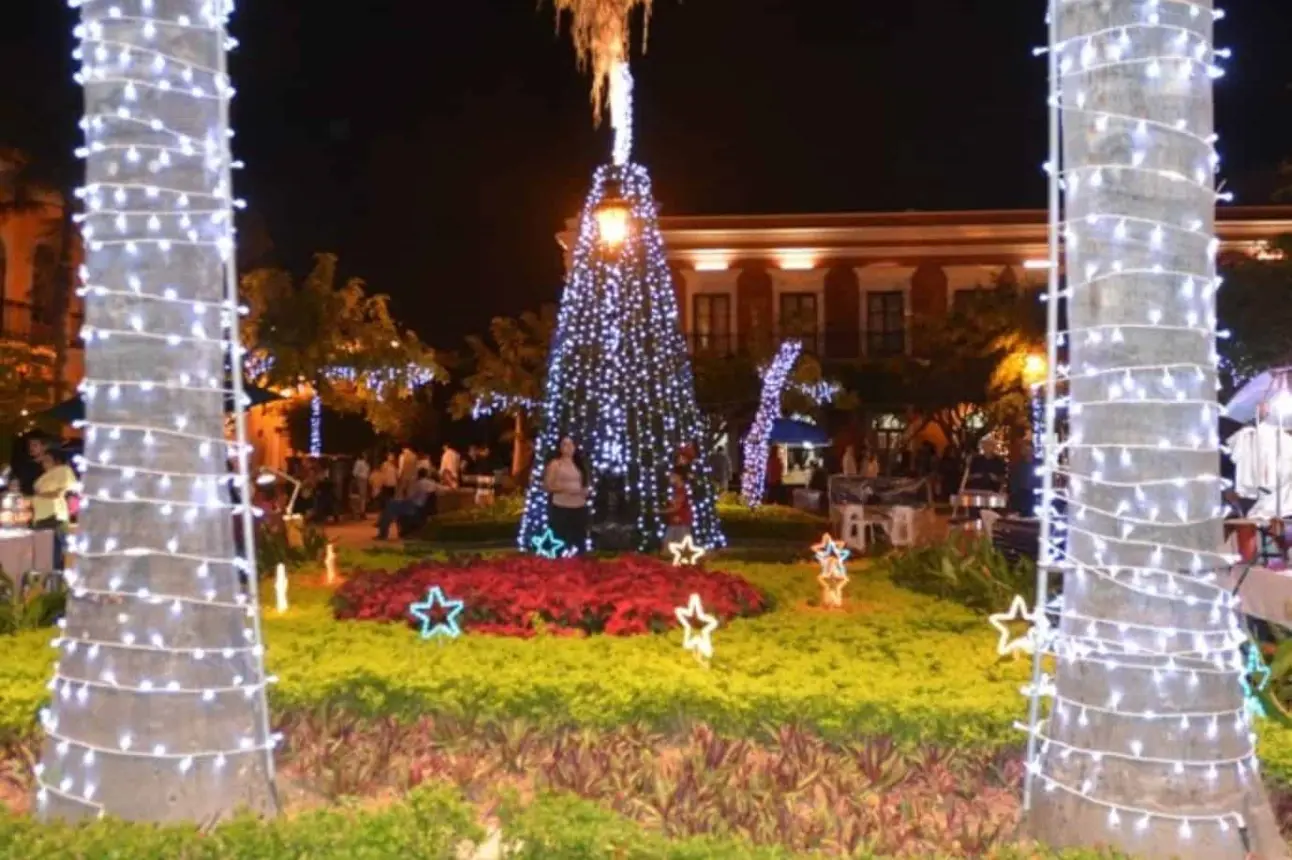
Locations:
{"points": [[830, 548], [431, 628], [548, 545], [1255, 668]]}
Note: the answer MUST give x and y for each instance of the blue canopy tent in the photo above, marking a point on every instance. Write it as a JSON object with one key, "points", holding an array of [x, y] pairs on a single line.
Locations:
{"points": [[787, 431]]}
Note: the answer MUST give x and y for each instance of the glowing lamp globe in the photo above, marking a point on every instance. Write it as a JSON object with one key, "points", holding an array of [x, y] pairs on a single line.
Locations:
{"points": [[613, 215]]}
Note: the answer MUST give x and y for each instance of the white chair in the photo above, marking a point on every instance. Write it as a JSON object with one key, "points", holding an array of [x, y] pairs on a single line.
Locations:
{"points": [[852, 527], [901, 529]]}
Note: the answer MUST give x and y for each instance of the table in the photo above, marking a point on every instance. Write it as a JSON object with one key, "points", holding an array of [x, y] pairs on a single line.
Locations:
{"points": [[1264, 593]]}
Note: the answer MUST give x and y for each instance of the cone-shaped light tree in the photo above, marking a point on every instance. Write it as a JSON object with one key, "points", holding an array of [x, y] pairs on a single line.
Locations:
{"points": [[619, 378], [1148, 744], [158, 703]]}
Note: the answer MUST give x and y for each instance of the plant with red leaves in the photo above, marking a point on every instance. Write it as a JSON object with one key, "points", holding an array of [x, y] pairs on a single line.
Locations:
{"points": [[521, 595]]}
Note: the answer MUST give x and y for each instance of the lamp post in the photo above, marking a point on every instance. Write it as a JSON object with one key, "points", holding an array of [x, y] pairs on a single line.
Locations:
{"points": [[614, 216]]}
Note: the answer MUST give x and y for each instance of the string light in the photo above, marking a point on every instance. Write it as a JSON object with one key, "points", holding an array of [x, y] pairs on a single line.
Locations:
{"points": [[1129, 508], [833, 578], [685, 552], [619, 379], [753, 482], [160, 655], [547, 545], [431, 627]]}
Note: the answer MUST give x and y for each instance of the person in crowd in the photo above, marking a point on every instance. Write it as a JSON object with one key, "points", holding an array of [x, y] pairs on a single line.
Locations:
{"points": [[307, 499], [386, 481], [775, 474], [359, 474], [478, 471], [49, 500], [451, 467], [424, 462], [869, 464], [850, 460], [986, 469], [720, 468], [419, 500], [566, 480], [678, 515], [407, 472], [27, 469]]}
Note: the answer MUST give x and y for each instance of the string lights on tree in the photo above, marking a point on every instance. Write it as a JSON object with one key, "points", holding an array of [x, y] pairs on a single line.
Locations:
{"points": [[757, 446], [619, 378], [158, 709], [1147, 745]]}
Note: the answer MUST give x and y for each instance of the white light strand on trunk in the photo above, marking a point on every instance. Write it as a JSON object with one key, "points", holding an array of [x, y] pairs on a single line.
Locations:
{"points": [[157, 542], [1119, 521], [621, 111], [757, 447]]}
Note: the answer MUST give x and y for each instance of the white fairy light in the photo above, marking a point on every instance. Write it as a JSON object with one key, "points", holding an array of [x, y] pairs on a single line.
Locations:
{"points": [[172, 674], [1130, 503]]}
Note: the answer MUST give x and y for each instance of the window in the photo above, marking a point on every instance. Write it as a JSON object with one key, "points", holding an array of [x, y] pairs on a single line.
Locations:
{"points": [[711, 322], [890, 431], [886, 323], [798, 315], [44, 287]]}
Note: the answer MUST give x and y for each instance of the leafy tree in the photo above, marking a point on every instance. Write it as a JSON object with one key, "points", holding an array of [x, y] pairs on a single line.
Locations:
{"points": [[507, 376], [341, 344], [27, 383]]}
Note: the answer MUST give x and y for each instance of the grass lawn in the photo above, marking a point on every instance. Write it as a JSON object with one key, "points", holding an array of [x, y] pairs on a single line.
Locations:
{"points": [[892, 665]]}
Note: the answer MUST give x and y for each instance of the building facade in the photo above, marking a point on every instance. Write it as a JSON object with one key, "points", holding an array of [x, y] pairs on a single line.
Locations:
{"points": [[38, 302], [850, 285]]}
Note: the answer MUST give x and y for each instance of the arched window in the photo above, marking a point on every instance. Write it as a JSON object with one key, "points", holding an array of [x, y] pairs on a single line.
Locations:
{"points": [[44, 288]]}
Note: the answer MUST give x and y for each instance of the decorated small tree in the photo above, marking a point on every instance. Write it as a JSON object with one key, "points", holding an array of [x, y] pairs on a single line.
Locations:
{"points": [[619, 379]]}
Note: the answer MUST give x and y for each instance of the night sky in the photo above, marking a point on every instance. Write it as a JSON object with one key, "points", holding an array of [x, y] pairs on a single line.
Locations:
{"points": [[437, 147]]}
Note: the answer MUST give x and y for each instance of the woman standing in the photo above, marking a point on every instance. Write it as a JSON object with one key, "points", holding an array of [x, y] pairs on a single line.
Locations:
{"points": [[567, 482], [49, 502]]}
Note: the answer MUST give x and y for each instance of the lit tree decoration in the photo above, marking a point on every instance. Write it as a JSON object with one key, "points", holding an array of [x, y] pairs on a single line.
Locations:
{"points": [[158, 709], [1148, 745], [753, 481], [619, 378]]}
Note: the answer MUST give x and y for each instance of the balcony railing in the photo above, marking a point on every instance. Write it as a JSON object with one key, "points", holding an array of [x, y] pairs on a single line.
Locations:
{"points": [[829, 345]]}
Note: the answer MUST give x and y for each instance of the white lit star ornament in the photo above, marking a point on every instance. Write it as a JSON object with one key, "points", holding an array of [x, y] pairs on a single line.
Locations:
{"points": [[698, 627], [685, 552], [1028, 642]]}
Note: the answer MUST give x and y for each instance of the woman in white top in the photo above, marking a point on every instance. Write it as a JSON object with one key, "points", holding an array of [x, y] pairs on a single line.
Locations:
{"points": [[49, 502], [567, 483]]}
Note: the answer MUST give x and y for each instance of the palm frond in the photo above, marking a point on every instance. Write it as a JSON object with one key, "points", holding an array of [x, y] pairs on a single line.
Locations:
{"points": [[600, 31]]}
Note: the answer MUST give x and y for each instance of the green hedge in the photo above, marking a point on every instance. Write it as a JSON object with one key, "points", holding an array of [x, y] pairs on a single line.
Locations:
{"points": [[498, 523], [427, 824]]}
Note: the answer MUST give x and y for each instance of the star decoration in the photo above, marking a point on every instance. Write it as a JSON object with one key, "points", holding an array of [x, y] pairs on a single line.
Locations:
{"points": [[685, 548], [700, 641], [833, 578], [431, 628], [1027, 643], [1255, 667], [828, 548], [548, 545]]}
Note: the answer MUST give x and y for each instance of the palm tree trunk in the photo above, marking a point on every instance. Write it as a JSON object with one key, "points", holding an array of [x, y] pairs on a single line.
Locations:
{"points": [[1147, 746], [159, 709], [518, 443]]}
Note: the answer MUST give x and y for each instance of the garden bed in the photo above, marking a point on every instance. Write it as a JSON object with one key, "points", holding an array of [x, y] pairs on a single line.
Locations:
{"points": [[523, 595]]}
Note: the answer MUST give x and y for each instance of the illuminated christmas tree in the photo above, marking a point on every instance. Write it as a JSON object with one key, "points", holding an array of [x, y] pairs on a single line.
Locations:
{"points": [[619, 379]]}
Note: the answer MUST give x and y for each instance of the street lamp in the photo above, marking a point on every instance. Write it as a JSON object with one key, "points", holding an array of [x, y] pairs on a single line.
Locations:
{"points": [[613, 215], [1035, 368]]}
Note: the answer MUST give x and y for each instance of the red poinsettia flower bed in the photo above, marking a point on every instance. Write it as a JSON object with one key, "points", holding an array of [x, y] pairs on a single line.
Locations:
{"points": [[518, 595]]}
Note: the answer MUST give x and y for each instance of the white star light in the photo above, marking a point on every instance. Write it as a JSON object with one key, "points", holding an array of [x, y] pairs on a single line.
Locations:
{"points": [[698, 642], [1028, 642], [685, 548]]}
